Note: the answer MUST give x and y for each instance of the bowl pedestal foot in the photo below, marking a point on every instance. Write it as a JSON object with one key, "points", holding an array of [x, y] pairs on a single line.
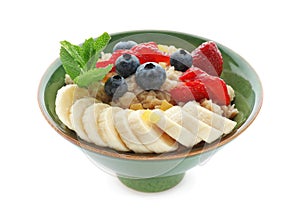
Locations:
{"points": [[155, 184]]}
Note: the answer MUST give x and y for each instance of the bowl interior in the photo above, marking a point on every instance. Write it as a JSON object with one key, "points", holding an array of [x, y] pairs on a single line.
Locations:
{"points": [[237, 73]]}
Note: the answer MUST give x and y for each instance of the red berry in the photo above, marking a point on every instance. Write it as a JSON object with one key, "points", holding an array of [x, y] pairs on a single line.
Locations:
{"points": [[217, 90], [188, 91], [112, 59], [198, 89], [144, 48], [208, 58], [145, 52], [149, 52], [191, 74], [215, 86]]}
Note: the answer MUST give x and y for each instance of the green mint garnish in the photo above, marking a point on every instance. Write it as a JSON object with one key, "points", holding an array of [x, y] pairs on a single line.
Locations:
{"points": [[79, 61], [91, 76]]}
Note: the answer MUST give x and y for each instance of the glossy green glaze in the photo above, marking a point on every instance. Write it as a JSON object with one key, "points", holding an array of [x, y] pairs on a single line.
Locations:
{"points": [[142, 171], [155, 184]]}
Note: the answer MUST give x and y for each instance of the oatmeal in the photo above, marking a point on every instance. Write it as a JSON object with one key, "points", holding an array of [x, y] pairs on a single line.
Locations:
{"points": [[153, 98]]}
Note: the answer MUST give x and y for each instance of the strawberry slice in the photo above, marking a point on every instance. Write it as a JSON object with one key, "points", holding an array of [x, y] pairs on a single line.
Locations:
{"points": [[188, 91], [217, 90], [149, 52], [153, 58], [192, 73], [145, 52], [112, 59], [144, 48], [208, 58], [215, 86]]}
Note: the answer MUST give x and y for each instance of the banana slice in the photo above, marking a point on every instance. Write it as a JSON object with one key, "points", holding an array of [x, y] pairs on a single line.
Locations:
{"points": [[65, 98], [149, 134], [172, 128], [76, 114], [126, 134], [198, 128], [90, 123], [216, 121], [107, 129]]}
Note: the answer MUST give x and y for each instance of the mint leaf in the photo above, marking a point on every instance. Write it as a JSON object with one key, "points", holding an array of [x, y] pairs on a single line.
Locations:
{"points": [[91, 76], [87, 49], [97, 46], [101, 42], [70, 65], [74, 51], [80, 61]]}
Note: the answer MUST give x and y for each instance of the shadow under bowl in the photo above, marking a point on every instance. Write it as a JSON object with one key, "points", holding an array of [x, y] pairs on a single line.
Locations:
{"points": [[158, 172]]}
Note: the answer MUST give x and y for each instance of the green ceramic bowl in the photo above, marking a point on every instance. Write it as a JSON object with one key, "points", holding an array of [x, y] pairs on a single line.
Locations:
{"points": [[151, 172]]}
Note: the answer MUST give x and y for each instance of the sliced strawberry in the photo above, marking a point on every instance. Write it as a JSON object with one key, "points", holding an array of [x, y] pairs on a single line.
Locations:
{"points": [[105, 63], [144, 48], [188, 91], [215, 86], [153, 58], [217, 90], [112, 59], [198, 89], [145, 52], [149, 52], [192, 73], [208, 58]]}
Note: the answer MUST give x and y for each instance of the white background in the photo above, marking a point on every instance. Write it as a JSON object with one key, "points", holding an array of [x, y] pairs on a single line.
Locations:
{"points": [[258, 171]]}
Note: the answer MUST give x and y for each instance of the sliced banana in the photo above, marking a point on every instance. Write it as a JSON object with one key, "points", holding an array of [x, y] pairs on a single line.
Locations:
{"points": [[65, 98], [216, 121], [126, 134], [198, 128], [107, 130], [142, 131], [90, 123], [76, 114], [172, 128], [149, 134]]}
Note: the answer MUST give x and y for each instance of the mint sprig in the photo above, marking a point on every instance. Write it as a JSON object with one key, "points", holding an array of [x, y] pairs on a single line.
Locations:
{"points": [[91, 76], [79, 61]]}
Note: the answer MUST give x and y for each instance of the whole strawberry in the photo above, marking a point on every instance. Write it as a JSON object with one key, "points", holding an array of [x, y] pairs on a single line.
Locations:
{"points": [[208, 58]]}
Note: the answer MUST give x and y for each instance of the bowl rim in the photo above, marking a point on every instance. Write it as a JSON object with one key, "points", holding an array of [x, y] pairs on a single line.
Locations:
{"points": [[134, 156]]}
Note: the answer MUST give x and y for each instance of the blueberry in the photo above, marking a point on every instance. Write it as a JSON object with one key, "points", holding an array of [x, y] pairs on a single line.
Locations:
{"points": [[115, 86], [181, 60], [124, 45], [126, 65], [150, 76]]}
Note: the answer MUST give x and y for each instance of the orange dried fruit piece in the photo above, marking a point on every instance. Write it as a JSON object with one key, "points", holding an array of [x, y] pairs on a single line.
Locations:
{"points": [[136, 106], [165, 105]]}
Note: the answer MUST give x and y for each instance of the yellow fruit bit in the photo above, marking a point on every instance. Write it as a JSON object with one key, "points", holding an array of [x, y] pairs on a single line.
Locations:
{"points": [[136, 106], [163, 48], [165, 105], [148, 115], [163, 65]]}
